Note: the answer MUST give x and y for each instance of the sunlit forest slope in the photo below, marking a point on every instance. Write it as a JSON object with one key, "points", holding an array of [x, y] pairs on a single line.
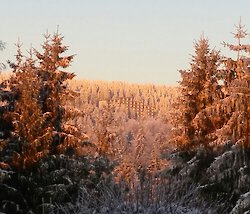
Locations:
{"points": [[85, 146]]}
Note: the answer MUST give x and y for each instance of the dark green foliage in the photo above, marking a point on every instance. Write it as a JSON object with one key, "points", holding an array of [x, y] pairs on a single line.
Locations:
{"points": [[54, 180], [44, 159], [218, 168], [213, 182], [47, 166]]}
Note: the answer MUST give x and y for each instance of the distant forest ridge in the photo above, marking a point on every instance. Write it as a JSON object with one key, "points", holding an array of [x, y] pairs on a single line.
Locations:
{"points": [[140, 100]]}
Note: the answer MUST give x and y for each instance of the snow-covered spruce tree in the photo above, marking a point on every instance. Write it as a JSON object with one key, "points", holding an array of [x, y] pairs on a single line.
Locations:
{"points": [[140, 160], [199, 89], [32, 138], [240, 89], [228, 174], [232, 111], [44, 143], [234, 68], [105, 135], [39, 117], [55, 94], [224, 178]]}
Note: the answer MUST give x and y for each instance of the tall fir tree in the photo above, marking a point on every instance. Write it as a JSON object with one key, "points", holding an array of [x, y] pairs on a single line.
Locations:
{"points": [[233, 109], [41, 122], [32, 138], [43, 142], [199, 89], [234, 68]]}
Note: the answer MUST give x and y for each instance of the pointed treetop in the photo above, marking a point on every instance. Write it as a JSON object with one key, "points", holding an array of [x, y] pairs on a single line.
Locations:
{"points": [[240, 31], [240, 34]]}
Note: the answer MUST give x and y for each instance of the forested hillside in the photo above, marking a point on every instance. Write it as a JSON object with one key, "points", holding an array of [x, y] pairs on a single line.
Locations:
{"points": [[121, 101], [117, 94], [81, 146]]}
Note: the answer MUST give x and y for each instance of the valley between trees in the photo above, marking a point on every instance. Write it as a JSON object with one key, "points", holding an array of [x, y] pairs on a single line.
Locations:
{"points": [[81, 146]]}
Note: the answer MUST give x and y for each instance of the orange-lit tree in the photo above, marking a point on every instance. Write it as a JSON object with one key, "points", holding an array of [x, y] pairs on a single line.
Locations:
{"points": [[40, 117], [55, 94], [31, 137], [199, 89], [233, 111], [43, 142]]}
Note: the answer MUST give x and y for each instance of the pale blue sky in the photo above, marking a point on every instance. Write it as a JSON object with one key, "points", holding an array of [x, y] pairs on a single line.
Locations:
{"points": [[144, 41]]}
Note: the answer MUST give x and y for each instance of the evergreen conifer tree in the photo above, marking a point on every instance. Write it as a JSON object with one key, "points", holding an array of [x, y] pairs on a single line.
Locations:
{"points": [[31, 136], [40, 118], [199, 89], [54, 91], [235, 105], [43, 142], [231, 114]]}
